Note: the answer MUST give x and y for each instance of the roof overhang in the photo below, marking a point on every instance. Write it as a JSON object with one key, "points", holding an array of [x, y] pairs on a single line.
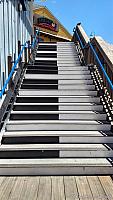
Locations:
{"points": [[55, 36]]}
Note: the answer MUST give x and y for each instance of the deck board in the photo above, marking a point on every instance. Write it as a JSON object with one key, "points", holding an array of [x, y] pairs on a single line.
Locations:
{"points": [[56, 188]]}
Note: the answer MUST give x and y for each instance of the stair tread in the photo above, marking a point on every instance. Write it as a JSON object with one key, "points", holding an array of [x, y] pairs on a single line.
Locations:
{"points": [[54, 162], [58, 76], [55, 112], [47, 59], [58, 133], [61, 103], [57, 122], [51, 52], [77, 147]]}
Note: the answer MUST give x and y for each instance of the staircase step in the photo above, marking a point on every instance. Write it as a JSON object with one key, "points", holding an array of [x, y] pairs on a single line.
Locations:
{"points": [[41, 71], [76, 82], [75, 87], [45, 59], [78, 92], [40, 86], [73, 72], [56, 150], [46, 55], [55, 167], [64, 134], [46, 62], [56, 86], [81, 68], [46, 52], [61, 115], [60, 106], [59, 98], [57, 125], [60, 77]]}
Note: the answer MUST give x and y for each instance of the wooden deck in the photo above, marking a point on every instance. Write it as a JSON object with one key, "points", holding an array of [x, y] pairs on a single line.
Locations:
{"points": [[56, 188]]}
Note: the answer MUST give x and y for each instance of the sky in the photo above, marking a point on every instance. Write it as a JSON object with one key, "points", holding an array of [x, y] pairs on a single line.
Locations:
{"points": [[96, 16]]}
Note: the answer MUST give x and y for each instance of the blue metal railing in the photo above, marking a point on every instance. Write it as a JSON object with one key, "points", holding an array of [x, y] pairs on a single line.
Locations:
{"points": [[16, 62], [96, 57]]}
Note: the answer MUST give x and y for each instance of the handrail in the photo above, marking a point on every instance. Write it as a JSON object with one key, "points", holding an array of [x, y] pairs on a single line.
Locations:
{"points": [[35, 39], [97, 58], [15, 65]]}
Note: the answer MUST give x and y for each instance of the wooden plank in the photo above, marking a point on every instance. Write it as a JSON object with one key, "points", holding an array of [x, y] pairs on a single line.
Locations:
{"points": [[96, 188], [107, 185], [83, 188], [71, 192], [30, 188], [6, 187], [57, 188], [17, 189], [44, 192]]}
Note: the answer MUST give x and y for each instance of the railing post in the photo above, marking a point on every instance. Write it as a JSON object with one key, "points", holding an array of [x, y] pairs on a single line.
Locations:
{"points": [[9, 69], [19, 50], [25, 55], [28, 50]]}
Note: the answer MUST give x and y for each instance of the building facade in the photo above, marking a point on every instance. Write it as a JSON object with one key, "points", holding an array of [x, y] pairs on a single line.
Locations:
{"points": [[51, 30], [16, 22]]}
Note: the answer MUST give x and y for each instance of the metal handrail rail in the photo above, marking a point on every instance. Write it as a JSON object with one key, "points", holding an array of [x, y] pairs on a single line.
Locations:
{"points": [[96, 57], [15, 65]]}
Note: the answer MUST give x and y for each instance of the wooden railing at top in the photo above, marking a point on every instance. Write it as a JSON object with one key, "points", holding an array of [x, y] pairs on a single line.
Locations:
{"points": [[94, 53]]}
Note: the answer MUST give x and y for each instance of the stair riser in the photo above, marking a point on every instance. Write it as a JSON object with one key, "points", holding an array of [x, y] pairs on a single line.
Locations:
{"points": [[73, 68], [60, 62], [74, 72], [71, 87], [57, 87], [27, 154], [36, 108], [83, 116], [57, 92], [81, 100], [42, 87], [58, 107], [75, 139], [76, 82], [31, 140], [39, 67], [34, 117], [58, 116], [40, 81], [45, 62], [45, 170], [41, 71], [46, 99], [37, 100], [46, 55], [86, 108], [57, 127], [68, 59]]}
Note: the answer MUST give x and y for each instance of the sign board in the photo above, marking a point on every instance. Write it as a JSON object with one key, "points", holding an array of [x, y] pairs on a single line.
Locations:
{"points": [[47, 23]]}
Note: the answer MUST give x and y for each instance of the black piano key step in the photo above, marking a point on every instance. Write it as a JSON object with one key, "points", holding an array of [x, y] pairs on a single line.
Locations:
{"points": [[24, 154], [23, 107], [40, 86], [46, 55], [47, 48], [45, 62], [35, 99], [41, 71], [30, 140], [34, 117], [42, 67]]}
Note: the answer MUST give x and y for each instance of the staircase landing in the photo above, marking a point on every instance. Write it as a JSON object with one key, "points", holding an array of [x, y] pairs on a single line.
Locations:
{"points": [[56, 188]]}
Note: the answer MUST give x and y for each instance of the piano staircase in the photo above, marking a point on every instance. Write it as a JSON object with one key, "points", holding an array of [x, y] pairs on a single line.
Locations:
{"points": [[58, 125]]}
